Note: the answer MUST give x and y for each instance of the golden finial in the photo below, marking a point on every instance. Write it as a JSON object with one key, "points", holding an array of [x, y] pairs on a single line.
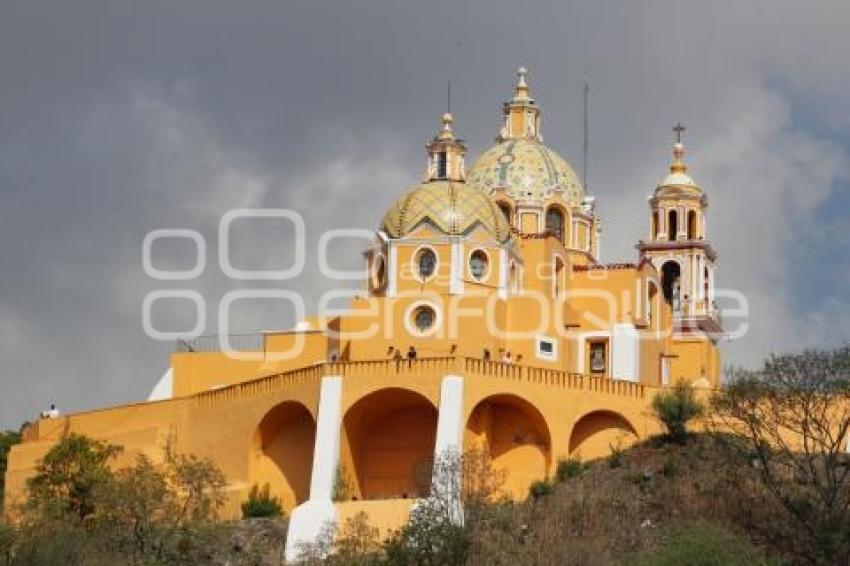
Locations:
{"points": [[522, 84], [447, 133], [678, 166]]}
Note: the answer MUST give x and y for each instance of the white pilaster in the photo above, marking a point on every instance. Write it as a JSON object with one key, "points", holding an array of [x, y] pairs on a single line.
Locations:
{"points": [[392, 270], [457, 265], [449, 422], [449, 443], [309, 519], [504, 273], [625, 352]]}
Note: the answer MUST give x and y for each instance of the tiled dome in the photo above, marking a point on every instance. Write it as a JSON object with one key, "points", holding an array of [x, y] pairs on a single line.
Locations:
{"points": [[526, 169], [454, 208]]}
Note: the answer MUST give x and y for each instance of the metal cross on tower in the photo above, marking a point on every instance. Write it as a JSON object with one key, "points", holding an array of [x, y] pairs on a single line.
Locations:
{"points": [[679, 128]]}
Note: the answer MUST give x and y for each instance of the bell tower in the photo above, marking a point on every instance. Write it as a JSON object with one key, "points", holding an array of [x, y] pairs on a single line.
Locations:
{"points": [[678, 248]]}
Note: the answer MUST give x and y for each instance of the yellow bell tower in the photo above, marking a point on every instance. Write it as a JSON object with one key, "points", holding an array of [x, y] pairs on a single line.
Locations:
{"points": [[686, 262]]}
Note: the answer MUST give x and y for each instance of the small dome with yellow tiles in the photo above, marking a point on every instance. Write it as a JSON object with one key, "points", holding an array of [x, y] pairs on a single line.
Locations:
{"points": [[525, 168], [454, 208]]}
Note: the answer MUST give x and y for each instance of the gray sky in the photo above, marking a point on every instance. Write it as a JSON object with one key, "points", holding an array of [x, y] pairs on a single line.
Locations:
{"points": [[117, 118]]}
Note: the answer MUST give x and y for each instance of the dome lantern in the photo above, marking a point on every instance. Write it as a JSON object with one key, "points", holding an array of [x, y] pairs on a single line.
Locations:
{"points": [[520, 114], [445, 154]]}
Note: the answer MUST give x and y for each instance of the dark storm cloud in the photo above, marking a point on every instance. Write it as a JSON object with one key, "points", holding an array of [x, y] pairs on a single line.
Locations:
{"points": [[117, 118]]}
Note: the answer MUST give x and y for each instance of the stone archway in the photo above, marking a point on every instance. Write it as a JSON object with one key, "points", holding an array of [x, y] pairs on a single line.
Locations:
{"points": [[516, 437], [388, 439], [594, 434], [283, 452]]}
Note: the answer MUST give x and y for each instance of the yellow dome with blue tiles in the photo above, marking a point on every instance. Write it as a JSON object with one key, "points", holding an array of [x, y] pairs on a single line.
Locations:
{"points": [[525, 168], [453, 208]]}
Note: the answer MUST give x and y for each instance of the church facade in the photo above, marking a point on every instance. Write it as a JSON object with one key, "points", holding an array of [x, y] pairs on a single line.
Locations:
{"points": [[487, 320]]}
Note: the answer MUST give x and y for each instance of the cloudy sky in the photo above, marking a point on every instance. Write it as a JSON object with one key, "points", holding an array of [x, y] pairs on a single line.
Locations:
{"points": [[117, 118]]}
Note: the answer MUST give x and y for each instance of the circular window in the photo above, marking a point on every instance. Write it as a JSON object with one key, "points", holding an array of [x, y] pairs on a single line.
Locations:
{"points": [[424, 318], [479, 264], [379, 272], [426, 263]]}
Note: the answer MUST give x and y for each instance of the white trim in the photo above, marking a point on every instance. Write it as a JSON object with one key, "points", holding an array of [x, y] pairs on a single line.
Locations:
{"points": [[414, 263], [581, 339], [456, 275], [538, 351], [625, 352], [486, 277], [392, 270], [504, 273], [164, 388]]}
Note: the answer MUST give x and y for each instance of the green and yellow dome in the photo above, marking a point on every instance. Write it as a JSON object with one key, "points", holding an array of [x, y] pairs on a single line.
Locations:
{"points": [[525, 168], [454, 208]]}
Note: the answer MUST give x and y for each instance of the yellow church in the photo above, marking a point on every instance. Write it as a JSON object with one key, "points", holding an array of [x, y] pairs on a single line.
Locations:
{"points": [[486, 320]]}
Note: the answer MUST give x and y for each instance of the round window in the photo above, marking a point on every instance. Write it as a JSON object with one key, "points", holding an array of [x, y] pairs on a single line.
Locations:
{"points": [[479, 264], [424, 318], [426, 262]]}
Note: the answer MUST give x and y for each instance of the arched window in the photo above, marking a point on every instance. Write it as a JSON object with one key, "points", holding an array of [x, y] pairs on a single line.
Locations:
{"points": [[692, 224], [651, 295], [670, 283], [672, 225], [653, 226], [555, 223]]}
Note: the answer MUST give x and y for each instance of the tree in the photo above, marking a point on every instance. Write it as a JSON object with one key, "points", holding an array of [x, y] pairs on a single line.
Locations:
{"points": [[460, 487], [675, 409], [792, 418], [66, 480]]}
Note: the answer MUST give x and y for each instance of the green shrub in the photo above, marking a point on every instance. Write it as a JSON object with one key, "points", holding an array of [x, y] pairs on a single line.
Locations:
{"points": [[7, 542], [569, 468], [261, 503], [539, 489], [701, 544], [615, 460], [670, 468], [675, 409], [430, 537], [342, 488]]}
